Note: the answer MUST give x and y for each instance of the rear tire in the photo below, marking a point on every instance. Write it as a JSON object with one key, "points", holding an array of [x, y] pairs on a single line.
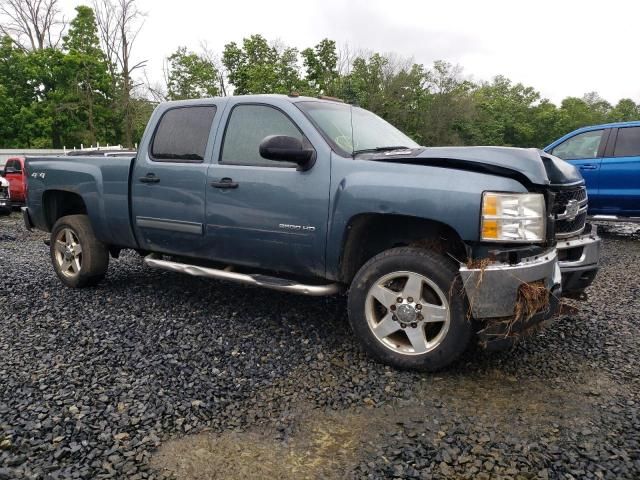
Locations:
{"points": [[78, 257], [408, 309]]}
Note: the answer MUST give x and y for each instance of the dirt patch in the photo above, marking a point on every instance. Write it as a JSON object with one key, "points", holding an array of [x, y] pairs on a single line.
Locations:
{"points": [[329, 444], [526, 407], [322, 445]]}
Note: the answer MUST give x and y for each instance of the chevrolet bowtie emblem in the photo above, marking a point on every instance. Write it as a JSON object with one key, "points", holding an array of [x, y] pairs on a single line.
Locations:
{"points": [[571, 210]]}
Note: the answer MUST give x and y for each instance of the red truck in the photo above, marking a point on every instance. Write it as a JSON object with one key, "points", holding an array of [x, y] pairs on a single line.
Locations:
{"points": [[15, 174]]}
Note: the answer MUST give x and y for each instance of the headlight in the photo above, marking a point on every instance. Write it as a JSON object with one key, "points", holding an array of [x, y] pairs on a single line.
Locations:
{"points": [[513, 217]]}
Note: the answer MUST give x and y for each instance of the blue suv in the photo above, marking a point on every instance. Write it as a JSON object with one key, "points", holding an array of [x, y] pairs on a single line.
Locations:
{"points": [[608, 157]]}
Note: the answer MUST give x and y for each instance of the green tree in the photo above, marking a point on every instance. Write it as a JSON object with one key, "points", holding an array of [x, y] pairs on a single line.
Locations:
{"points": [[577, 112], [447, 105], [257, 67], [502, 114], [624, 111], [546, 123], [364, 85], [16, 92], [321, 64], [87, 95], [191, 76]]}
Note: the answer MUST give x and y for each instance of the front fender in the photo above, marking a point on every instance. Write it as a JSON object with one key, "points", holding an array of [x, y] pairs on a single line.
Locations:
{"points": [[449, 196]]}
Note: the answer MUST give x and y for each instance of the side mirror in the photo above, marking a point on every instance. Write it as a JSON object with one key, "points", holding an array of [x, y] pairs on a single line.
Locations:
{"points": [[283, 148]]}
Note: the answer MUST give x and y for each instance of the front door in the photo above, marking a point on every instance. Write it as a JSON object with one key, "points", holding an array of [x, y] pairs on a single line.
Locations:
{"points": [[270, 215], [620, 174], [169, 179], [584, 150]]}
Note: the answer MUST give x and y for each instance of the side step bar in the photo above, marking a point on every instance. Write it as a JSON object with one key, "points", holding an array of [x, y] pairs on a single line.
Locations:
{"points": [[274, 283]]}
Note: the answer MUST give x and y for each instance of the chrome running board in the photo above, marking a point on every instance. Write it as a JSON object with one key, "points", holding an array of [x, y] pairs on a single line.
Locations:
{"points": [[274, 283]]}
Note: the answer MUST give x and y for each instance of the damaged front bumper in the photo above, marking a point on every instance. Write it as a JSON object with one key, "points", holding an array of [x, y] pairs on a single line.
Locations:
{"points": [[578, 258], [493, 290], [493, 293]]}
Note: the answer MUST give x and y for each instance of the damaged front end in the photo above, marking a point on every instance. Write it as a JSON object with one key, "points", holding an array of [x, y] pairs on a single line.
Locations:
{"points": [[510, 299]]}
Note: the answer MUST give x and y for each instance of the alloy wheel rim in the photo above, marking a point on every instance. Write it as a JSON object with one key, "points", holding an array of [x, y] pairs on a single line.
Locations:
{"points": [[68, 252], [407, 312]]}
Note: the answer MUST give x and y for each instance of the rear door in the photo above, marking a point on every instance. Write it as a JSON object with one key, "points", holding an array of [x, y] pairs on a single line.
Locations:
{"points": [[275, 216], [585, 150], [169, 178], [620, 173]]}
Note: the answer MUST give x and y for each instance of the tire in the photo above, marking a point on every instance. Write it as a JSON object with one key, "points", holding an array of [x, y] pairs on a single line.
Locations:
{"points": [[78, 257], [436, 321]]}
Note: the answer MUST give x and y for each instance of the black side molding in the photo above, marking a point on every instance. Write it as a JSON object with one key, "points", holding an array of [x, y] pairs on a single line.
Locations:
{"points": [[171, 225]]}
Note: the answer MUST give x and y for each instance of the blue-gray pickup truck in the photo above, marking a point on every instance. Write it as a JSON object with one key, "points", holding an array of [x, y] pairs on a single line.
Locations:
{"points": [[435, 246]]}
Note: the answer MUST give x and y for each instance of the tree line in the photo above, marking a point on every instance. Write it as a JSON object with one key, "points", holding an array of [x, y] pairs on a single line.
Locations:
{"points": [[66, 85]]}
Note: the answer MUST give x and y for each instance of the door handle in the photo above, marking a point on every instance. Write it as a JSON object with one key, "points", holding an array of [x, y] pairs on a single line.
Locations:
{"points": [[225, 182], [149, 178], [588, 167]]}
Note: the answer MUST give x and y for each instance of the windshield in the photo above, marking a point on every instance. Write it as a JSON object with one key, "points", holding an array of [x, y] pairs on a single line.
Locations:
{"points": [[370, 132]]}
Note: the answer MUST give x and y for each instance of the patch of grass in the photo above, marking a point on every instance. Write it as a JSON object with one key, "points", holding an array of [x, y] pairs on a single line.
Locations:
{"points": [[532, 298]]}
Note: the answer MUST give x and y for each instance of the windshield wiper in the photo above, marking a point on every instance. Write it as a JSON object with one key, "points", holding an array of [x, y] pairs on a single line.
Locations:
{"points": [[381, 149]]}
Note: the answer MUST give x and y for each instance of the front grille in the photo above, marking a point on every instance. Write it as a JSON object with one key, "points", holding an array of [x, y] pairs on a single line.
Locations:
{"points": [[576, 225], [572, 225], [563, 197]]}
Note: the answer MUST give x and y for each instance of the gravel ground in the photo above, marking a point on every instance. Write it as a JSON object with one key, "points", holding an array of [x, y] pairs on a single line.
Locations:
{"points": [[154, 375]]}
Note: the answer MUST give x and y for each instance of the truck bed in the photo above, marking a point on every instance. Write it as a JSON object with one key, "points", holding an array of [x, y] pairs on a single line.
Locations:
{"points": [[102, 183]]}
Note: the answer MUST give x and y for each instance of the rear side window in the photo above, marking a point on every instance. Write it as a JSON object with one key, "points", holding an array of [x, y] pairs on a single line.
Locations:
{"points": [[248, 125], [182, 134], [628, 142], [583, 145]]}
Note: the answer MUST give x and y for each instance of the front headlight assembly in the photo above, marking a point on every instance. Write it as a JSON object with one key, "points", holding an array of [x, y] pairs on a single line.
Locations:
{"points": [[513, 217]]}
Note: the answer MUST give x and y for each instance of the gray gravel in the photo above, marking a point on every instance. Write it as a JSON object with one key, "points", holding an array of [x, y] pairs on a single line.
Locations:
{"points": [[154, 375]]}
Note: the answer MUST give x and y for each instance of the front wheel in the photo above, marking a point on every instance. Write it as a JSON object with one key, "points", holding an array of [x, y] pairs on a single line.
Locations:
{"points": [[408, 310], [78, 257]]}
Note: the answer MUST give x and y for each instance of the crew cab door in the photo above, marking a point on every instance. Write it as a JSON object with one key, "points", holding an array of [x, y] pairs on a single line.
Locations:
{"points": [[263, 213], [620, 173], [168, 183], [585, 151]]}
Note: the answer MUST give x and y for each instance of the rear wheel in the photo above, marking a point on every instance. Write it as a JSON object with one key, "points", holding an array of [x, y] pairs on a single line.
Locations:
{"points": [[407, 309], [78, 257]]}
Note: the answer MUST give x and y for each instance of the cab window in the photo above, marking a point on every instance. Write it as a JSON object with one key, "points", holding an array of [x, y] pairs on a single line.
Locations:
{"points": [[182, 134], [248, 125], [628, 142], [583, 145]]}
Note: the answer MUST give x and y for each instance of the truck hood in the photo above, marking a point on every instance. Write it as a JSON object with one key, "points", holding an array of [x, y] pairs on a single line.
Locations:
{"points": [[528, 165]]}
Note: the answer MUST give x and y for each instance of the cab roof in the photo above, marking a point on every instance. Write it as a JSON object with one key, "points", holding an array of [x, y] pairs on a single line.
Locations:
{"points": [[257, 98]]}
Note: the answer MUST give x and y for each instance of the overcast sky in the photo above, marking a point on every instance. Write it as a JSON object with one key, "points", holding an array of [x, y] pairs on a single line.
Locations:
{"points": [[560, 47]]}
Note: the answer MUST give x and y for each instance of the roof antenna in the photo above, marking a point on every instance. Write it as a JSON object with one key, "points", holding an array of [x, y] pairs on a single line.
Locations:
{"points": [[353, 145]]}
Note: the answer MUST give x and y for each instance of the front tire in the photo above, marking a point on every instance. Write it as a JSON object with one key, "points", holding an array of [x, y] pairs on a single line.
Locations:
{"points": [[408, 310], [78, 257]]}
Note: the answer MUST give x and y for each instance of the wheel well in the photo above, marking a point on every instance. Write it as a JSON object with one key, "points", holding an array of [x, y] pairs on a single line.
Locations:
{"points": [[58, 203], [370, 234]]}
